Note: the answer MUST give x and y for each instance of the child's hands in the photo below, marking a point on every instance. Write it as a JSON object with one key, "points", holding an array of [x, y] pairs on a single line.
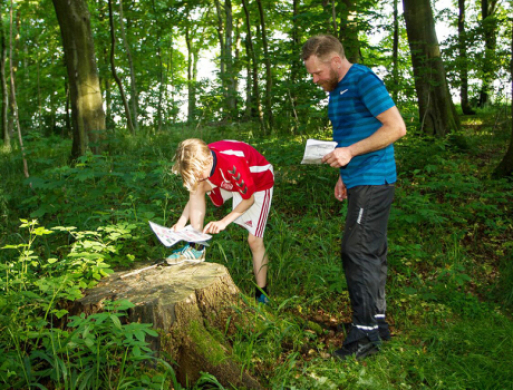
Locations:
{"points": [[178, 226], [214, 227]]}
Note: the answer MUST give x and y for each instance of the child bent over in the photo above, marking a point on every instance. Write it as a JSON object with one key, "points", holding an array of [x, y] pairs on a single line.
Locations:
{"points": [[224, 170]]}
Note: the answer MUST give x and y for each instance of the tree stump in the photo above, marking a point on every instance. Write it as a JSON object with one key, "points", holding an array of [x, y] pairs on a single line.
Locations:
{"points": [[182, 302]]}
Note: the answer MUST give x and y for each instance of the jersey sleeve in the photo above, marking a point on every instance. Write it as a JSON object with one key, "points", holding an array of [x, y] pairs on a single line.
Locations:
{"points": [[374, 94], [241, 178]]}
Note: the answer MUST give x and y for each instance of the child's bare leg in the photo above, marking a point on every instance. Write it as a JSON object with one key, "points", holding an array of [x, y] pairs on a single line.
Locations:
{"points": [[260, 259], [197, 205]]}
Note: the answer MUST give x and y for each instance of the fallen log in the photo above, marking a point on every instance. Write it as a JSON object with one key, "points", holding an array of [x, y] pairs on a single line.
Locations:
{"points": [[183, 302]]}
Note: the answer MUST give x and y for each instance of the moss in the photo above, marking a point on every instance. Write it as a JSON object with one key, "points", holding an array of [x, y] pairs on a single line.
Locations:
{"points": [[210, 348]]}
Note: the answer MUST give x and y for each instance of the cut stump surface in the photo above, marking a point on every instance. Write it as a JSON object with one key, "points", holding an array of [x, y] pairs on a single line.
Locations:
{"points": [[179, 301]]}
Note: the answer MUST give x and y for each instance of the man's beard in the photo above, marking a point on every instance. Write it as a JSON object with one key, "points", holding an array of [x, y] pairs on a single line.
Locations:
{"points": [[330, 84]]}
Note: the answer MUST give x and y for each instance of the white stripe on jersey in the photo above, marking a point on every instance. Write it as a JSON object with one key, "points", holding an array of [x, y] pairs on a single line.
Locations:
{"points": [[233, 153], [258, 169]]}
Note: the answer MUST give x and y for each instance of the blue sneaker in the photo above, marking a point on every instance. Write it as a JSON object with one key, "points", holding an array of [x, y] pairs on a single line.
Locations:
{"points": [[186, 254], [263, 299]]}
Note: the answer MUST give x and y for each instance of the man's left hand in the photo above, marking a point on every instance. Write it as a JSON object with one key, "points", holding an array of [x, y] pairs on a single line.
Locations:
{"points": [[214, 227], [340, 157]]}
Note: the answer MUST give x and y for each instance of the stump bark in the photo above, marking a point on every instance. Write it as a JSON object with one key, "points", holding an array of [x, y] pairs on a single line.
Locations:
{"points": [[183, 302]]}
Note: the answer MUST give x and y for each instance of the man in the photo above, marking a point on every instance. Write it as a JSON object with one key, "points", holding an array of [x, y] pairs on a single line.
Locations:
{"points": [[365, 123]]}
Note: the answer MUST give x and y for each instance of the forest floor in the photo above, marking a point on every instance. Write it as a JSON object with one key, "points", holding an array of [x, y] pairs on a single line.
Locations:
{"points": [[449, 292]]}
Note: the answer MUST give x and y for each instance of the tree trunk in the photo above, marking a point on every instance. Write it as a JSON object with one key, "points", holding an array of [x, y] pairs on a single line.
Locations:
{"points": [[66, 109], [170, 68], [268, 74], [161, 72], [5, 92], [14, 49], [505, 168], [437, 113], [231, 93], [86, 100], [489, 22], [395, 54], [249, 85], [13, 94], [183, 302], [128, 114], [251, 53], [134, 98], [295, 67], [348, 33], [191, 87], [463, 66]]}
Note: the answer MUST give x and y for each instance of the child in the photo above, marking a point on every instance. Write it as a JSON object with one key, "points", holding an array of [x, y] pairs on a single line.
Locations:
{"points": [[224, 170]]}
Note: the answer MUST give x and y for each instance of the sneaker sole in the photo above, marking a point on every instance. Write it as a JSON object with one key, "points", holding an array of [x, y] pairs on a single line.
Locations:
{"points": [[369, 350], [186, 260]]}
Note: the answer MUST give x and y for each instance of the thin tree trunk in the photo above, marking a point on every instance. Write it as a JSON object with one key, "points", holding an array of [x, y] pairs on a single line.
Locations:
{"points": [[463, 66], [249, 84], [505, 168], [134, 98], [268, 72], [190, 77], [172, 81], [13, 94], [489, 21], [395, 53], [3, 84], [14, 53], [161, 75], [236, 59], [296, 62], [222, 56], [228, 52], [128, 114], [437, 113], [251, 51]]}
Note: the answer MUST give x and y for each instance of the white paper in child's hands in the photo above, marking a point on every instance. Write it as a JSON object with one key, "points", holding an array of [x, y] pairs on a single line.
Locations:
{"points": [[169, 237], [315, 150]]}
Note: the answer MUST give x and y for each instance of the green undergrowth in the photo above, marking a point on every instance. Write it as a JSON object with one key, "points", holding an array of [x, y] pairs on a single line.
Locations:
{"points": [[450, 287]]}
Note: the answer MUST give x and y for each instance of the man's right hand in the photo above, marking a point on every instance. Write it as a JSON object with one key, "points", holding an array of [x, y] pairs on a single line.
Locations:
{"points": [[340, 190]]}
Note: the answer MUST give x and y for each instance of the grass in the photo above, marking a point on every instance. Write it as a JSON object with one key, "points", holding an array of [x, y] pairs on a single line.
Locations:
{"points": [[450, 288]]}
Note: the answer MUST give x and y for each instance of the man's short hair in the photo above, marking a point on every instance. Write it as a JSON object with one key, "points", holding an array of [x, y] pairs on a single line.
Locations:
{"points": [[190, 161], [322, 46]]}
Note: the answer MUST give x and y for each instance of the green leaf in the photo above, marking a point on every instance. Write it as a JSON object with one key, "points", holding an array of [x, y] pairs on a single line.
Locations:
{"points": [[115, 320]]}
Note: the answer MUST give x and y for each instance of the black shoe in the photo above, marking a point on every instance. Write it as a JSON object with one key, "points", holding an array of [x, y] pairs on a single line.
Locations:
{"points": [[384, 331], [360, 349]]}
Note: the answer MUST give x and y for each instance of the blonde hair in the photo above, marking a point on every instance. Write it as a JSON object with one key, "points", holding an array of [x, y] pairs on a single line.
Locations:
{"points": [[191, 159]]}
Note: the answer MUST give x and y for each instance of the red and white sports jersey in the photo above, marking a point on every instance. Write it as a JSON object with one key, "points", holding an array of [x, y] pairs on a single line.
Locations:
{"points": [[240, 168]]}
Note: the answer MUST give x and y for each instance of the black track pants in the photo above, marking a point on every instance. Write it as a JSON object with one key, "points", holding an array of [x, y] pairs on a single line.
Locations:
{"points": [[364, 254]]}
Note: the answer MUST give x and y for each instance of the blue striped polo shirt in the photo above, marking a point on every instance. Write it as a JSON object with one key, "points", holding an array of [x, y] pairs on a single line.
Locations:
{"points": [[353, 107]]}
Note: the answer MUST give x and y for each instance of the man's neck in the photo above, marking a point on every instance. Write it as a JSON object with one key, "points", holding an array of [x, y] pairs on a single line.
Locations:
{"points": [[344, 68]]}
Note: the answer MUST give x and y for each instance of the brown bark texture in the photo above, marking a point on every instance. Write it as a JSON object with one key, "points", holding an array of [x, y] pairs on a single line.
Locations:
{"points": [[182, 302], [5, 94], [128, 114], [255, 98], [462, 43], [505, 168], [348, 33], [437, 112], [88, 117]]}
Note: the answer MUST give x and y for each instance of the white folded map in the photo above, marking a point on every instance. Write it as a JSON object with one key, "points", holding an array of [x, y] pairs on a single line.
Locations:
{"points": [[169, 237], [315, 150]]}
